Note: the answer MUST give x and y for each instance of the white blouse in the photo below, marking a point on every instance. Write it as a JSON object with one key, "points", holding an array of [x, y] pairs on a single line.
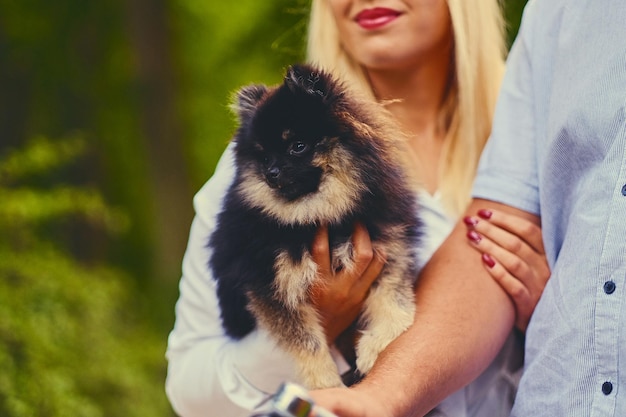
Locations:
{"points": [[212, 375]]}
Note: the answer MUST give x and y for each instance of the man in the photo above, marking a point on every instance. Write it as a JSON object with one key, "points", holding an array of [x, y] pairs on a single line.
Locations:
{"points": [[557, 152]]}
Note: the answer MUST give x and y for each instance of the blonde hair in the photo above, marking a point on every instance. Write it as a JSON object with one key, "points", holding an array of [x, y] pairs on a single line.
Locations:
{"points": [[479, 51]]}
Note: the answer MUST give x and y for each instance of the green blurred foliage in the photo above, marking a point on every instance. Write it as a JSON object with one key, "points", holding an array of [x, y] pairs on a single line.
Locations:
{"points": [[71, 339], [513, 14], [67, 66], [221, 48]]}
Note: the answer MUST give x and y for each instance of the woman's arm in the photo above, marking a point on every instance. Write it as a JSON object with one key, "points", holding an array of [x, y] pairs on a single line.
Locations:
{"points": [[463, 316]]}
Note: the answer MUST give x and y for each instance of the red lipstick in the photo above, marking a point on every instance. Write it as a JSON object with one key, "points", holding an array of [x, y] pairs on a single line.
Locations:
{"points": [[375, 18]]}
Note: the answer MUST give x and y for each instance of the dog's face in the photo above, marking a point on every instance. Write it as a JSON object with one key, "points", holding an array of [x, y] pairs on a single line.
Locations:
{"points": [[286, 132], [298, 148]]}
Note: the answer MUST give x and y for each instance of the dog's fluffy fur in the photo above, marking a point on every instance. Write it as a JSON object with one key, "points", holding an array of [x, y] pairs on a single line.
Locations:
{"points": [[308, 154]]}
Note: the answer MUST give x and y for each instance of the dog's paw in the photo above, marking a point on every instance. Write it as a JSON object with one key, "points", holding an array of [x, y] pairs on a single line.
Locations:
{"points": [[368, 349], [317, 372], [374, 340], [319, 380], [327, 381], [364, 364]]}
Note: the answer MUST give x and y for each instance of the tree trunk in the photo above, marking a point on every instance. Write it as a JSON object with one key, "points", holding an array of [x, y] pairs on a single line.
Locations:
{"points": [[150, 37]]}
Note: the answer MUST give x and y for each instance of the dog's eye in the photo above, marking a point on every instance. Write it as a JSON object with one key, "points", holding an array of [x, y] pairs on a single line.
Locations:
{"points": [[298, 148]]}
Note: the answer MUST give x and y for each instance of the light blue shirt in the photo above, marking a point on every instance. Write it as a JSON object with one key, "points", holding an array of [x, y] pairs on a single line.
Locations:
{"points": [[558, 149]]}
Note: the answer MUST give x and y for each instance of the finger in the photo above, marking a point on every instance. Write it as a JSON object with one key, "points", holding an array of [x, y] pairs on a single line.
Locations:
{"points": [[371, 273], [320, 250], [531, 271], [507, 241], [515, 261], [524, 229], [523, 279], [514, 287], [363, 251], [535, 259], [522, 298], [368, 262]]}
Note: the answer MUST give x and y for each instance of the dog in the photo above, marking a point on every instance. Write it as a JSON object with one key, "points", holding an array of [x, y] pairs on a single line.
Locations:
{"points": [[309, 153]]}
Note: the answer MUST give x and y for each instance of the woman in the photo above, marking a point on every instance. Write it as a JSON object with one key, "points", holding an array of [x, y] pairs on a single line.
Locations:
{"points": [[437, 66]]}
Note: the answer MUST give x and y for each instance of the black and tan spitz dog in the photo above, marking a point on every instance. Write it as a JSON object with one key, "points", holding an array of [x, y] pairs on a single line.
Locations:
{"points": [[307, 153]]}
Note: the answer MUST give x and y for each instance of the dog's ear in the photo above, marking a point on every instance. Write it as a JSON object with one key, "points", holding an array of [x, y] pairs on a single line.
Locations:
{"points": [[302, 78], [247, 100]]}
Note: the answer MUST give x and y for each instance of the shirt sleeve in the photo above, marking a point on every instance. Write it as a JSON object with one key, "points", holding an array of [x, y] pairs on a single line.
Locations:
{"points": [[210, 374], [507, 171]]}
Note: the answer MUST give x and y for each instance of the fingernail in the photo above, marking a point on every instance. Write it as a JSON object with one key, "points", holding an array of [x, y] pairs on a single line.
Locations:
{"points": [[473, 236], [484, 213], [470, 221], [488, 260]]}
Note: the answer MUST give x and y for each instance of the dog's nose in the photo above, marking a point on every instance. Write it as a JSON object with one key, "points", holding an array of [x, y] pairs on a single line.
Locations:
{"points": [[272, 176], [273, 172]]}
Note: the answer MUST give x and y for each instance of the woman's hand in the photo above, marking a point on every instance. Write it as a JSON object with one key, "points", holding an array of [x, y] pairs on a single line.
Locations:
{"points": [[338, 296], [512, 251], [347, 402]]}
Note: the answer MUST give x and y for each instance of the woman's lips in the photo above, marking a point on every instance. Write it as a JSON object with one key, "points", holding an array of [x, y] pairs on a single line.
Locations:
{"points": [[375, 18]]}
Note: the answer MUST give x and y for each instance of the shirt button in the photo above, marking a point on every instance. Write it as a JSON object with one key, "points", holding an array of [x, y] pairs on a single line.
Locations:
{"points": [[607, 387], [624, 190], [609, 287]]}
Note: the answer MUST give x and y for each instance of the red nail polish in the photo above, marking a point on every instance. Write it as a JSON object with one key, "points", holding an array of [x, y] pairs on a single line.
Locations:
{"points": [[484, 213], [470, 221], [473, 236], [488, 260]]}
